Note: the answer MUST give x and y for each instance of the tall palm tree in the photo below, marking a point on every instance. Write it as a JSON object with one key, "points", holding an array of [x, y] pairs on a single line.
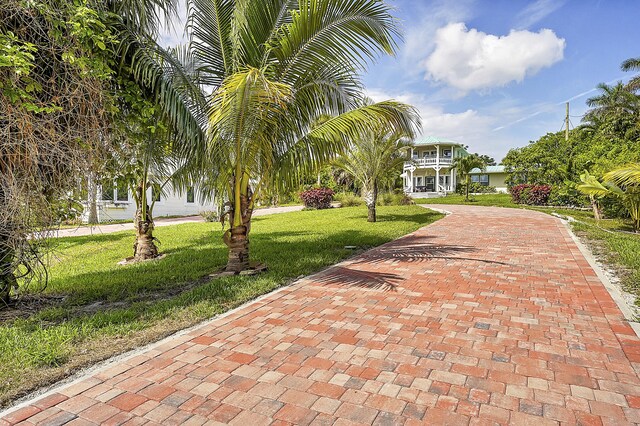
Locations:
{"points": [[274, 67], [615, 110], [374, 160], [632, 64], [464, 166]]}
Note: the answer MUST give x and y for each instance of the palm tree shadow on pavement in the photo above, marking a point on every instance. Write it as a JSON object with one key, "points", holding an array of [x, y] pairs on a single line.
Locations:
{"points": [[413, 248]]}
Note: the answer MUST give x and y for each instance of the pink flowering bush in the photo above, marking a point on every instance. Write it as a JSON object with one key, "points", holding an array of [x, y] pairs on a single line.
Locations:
{"points": [[317, 198], [533, 195]]}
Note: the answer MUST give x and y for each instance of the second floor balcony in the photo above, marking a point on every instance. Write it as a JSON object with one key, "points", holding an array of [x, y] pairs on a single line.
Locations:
{"points": [[428, 161]]}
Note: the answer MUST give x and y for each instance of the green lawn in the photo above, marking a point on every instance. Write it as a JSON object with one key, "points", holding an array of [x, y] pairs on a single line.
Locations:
{"points": [[108, 309], [619, 249]]}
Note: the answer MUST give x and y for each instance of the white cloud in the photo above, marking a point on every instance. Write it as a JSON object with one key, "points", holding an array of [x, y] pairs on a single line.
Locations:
{"points": [[537, 11], [426, 20], [473, 60], [468, 127]]}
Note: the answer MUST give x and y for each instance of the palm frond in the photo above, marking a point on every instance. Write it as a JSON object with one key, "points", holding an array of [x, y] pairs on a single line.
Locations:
{"points": [[625, 176], [210, 23]]}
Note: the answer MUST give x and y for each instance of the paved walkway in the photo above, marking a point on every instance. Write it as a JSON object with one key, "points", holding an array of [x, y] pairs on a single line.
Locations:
{"points": [[489, 316], [117, 227]]}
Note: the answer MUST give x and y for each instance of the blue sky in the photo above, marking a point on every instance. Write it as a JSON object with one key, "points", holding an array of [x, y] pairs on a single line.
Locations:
{"points": [[494, 74]]}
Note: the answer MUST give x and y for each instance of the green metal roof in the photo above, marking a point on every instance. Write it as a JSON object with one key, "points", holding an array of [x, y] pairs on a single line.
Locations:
{"points": [[490, 169], [433, 140]]}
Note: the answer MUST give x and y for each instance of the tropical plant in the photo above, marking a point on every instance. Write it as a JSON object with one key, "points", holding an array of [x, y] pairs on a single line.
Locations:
{"points": [[52, 111], [591, 187], [62, 68], [464, 166], [375, 160], [317, 198], [632, 64], [275, 67], [615, 111], [624, 183]]}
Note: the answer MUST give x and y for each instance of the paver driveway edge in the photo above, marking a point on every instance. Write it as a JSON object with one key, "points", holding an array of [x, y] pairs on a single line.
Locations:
{"points": [[89, 371], [614, 291]]}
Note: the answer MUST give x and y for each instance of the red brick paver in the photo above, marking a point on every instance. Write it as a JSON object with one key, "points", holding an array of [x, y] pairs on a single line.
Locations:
{"points": [[489, 316]]}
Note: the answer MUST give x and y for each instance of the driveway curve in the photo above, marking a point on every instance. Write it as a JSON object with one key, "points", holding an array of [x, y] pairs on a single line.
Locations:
{"points": [[488, 316]]}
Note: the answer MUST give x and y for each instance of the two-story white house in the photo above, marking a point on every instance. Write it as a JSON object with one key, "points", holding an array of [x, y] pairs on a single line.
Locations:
{"points": [[429, 171]]}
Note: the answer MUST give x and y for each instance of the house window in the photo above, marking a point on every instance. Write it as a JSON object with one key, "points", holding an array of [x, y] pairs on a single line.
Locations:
{"points": [[481, 179], [107, 191], [191, 195], [122, 193], [446, 153]]}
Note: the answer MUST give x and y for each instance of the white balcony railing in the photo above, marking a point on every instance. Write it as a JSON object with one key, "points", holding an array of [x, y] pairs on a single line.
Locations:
{"points": [[428, 161]]}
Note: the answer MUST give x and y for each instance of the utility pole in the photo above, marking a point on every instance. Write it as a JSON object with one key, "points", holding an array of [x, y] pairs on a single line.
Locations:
{"points": [[566, 124]]}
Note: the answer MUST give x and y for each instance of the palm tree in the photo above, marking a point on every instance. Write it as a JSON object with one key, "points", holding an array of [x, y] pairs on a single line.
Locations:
{"points": [[624, 183], [615, 110], [632, 64], [594, 189], [275, 66], [374, 160], [464, 166]]}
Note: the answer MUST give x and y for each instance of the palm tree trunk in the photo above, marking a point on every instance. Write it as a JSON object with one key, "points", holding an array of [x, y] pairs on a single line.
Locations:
{"points": [[237, 237], [144, 247], [466, 189], [371, 198], [238, 243], [597, 212], [92, 192]]}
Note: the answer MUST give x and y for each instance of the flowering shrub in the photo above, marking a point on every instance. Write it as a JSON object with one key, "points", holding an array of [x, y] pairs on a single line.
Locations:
{"points": [[534, 195], [319, 198]]}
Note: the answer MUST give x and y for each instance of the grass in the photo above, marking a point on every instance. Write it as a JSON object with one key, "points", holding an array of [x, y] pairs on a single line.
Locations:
{"points": [[109, 309], [618, 248]]}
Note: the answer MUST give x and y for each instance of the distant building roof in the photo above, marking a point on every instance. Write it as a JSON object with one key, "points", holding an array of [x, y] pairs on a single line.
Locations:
{"points": [[433, 140], [490, 169]]}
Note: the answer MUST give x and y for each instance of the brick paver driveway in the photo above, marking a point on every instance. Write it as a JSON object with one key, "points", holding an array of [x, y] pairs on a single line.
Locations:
{"points": [[490, 316]]}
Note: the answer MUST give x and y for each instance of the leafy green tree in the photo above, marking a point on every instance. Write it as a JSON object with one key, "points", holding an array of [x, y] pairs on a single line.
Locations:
{"points": [[546, 161], [52, 110], [275, 67], [375, 160], [488, 161], [464, 166], [61, 68]]}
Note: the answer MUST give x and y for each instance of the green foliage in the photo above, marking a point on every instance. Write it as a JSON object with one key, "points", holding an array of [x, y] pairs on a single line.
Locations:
{"points": [[349, 199], [464, 166], [475, 188], [608, 138]]}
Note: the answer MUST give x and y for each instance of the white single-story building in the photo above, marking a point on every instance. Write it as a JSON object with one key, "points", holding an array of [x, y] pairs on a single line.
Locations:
{"points": [[115, 202]]}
